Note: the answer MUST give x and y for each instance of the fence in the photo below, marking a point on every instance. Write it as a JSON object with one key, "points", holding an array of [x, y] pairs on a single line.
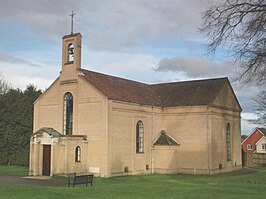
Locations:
{"points": [[254, 159]]}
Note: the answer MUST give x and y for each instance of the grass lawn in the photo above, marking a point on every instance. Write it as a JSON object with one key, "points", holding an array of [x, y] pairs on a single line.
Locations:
{"points": [[248, 183], [14, 171]]}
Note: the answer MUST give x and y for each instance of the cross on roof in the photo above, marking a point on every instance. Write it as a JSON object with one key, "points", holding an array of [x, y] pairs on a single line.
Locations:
{"points": [[72, 16]]}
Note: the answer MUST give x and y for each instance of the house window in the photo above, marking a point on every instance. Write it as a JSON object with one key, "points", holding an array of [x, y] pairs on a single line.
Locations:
{"points": [[139, 137], [228, 142], [77, 154], [263, 147], [68, 114], [70, 52], [249, 147]]}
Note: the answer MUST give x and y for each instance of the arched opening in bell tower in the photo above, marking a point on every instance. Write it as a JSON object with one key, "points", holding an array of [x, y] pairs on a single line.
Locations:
{"points": [[70, 52]]}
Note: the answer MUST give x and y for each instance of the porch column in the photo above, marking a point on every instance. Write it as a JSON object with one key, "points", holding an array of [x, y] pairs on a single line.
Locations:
{"points": [[52, 159], [35, 156]]}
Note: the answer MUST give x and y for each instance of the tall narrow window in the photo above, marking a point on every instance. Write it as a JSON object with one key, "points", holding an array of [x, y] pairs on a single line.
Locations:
{"points": [[77, 154], [228, 142], [139, 137], [70, 52], [68, 113]]}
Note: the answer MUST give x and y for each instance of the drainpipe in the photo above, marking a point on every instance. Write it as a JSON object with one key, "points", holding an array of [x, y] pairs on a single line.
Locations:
{"points": [[152, 159], [152, 146]]}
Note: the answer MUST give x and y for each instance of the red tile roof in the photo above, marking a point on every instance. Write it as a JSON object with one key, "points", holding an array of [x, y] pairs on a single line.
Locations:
{"points": [[122, 89], [189, 93]]}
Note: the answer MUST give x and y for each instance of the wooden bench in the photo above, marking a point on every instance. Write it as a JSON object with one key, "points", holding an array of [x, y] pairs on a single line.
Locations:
{"points": [[81, 179]]}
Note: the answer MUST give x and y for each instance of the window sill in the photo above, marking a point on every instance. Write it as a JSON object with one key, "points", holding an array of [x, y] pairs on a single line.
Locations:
{"points": [[70, 62]]}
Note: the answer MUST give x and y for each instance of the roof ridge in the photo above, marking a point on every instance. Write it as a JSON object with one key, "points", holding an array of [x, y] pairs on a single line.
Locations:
{"points": [[191, 81], [113, 76]]}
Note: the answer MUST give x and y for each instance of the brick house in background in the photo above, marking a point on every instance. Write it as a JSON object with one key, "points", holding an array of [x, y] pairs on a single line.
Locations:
{"points": [[255, 142]]}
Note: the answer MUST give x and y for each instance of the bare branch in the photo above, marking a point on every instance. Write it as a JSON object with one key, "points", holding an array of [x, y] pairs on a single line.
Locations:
{"points": [[240, 26], [4, 85], [260, 108]]}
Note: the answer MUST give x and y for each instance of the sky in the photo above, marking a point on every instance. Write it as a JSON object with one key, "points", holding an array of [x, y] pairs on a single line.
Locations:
{"points": [[151, 41]]}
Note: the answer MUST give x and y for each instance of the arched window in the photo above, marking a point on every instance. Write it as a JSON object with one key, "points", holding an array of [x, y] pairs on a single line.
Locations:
{"points": [[228, 142], [139, 137], [70, 52], [77, 154], [68, 114]]}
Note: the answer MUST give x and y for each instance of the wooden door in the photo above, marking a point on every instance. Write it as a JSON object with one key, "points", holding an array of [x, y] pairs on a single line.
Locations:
{"points": [[46, 162]]}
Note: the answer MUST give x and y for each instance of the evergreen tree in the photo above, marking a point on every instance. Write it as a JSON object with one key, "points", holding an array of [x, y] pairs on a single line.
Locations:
{"points": [[16, 120]]}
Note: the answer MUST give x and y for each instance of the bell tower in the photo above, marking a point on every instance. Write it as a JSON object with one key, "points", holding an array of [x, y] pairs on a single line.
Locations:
{"points": [[71, 54]]}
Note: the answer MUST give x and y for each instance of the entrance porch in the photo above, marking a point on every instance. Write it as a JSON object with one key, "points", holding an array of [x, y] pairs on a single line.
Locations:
{"points": [[52, 153]]}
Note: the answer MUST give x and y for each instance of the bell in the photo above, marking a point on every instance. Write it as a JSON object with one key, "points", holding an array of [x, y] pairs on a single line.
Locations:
{"points": [[71, 51]]}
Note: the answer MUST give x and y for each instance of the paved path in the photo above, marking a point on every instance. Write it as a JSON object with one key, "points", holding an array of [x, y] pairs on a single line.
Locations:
{"points": [[21, 180]]}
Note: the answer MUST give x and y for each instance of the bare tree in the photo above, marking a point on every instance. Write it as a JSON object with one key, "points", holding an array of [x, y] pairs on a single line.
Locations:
{"points": [[260, 108], [4, 86], [240, 26]]}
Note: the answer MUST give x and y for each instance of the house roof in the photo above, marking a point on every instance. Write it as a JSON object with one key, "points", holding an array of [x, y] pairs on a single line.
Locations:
{"points": [[189, 93], [262, 130], [263, 137], [165, 139]]}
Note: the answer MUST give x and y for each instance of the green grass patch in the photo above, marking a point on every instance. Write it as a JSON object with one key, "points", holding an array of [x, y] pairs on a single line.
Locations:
{"points": [[14, 170], [247, 183]]}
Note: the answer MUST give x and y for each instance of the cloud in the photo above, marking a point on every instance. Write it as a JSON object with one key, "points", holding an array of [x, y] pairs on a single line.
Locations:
{"points": [[123, 24], [20, 75], [20, 81], [246, 126], [11, 59], [46, 18], [195, 67], [245, 95], [111, 24]]}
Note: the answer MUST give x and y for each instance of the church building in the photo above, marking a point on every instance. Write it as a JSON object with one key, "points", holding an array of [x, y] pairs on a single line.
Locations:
{"points": [[89, 122]]}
